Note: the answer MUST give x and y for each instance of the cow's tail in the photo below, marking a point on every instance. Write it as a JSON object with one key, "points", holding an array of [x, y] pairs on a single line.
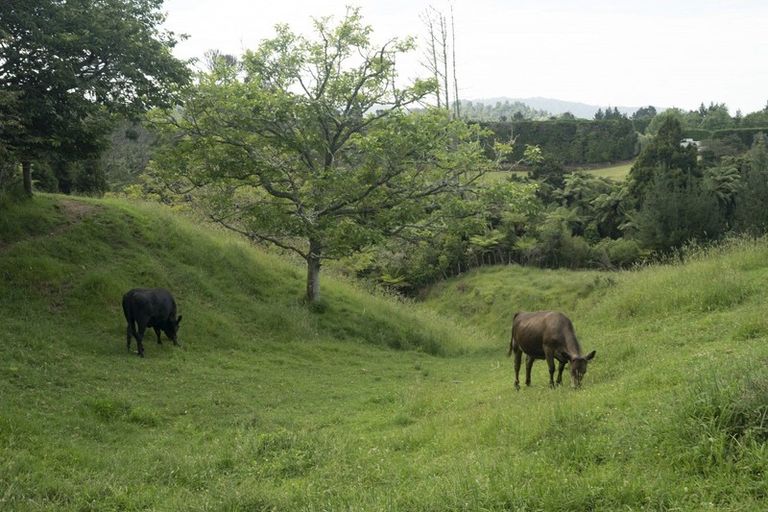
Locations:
{"points": [[512, 337], [129, 316]]}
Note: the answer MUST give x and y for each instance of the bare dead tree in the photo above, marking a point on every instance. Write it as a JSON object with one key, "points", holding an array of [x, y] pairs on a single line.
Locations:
{"points": [[444, 45], [432, 64], [457, 103], [441, 40]]}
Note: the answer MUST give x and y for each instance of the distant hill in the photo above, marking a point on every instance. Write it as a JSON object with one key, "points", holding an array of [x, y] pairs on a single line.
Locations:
{"points": [[556, 107]]}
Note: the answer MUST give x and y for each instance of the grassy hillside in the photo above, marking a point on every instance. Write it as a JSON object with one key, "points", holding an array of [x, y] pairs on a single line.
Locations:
{"points": [[678, 392], [615, 172], [365, 404]]}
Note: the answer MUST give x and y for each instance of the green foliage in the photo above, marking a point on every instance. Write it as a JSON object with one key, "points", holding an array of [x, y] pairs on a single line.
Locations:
{"points": [[714, 117], [610, 113], [480, 228], [759, 118], [128, 154], [572, 142], [642, 117], [10, 128], [306, 144], [550, 175], [697, 123], [723, 182], [750, 214], [663, 155], [84, 176], [677, 210], [667, 117], [744, 135], [617, 253], [68, 64], [714, 126], [506, 111], [557, 247], [697, 133], [573, 230]]}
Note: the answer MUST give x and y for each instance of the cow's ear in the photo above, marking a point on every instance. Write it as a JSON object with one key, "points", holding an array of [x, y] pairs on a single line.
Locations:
{"points": [[178, 320], [590, 355]]}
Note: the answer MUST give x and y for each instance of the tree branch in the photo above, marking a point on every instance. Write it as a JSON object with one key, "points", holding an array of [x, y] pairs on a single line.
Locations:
{"points": [[258, 237]]}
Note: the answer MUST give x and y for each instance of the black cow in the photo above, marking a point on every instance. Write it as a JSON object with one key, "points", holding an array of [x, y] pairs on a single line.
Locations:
{"points": [[150, 307]]}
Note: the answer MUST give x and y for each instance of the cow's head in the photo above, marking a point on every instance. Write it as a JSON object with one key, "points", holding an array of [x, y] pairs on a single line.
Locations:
{"points": [[579, 368], [171, 328]]}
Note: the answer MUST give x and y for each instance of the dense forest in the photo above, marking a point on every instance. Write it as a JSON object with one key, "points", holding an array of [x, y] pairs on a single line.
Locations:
{"points": [[676, 194], [572, 141], [305, 158]]}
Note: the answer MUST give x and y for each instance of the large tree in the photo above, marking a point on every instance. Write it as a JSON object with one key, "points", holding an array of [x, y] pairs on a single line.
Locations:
{"points": [[673, 200], [306, 144], [751, 215], [69, 63], [664, 155]]}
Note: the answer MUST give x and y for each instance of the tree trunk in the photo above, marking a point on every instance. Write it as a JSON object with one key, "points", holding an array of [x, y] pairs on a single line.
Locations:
{"points": [[455, 81], [313, 273], [444, 42], [26, 170], [433, 49]]}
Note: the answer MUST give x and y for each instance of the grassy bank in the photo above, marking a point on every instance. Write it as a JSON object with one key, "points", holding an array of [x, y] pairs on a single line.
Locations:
{"points": [[616, 172]]}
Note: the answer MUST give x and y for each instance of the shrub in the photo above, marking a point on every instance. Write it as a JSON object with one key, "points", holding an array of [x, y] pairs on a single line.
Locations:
{"points": [[619, 253]]}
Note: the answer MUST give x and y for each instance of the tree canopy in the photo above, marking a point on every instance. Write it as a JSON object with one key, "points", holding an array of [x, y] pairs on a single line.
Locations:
{"points": [[306, 144], [67, 64]]}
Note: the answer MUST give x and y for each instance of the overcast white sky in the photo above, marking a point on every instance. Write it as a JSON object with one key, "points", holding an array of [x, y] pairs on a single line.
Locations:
{"points": [[628, 53]]}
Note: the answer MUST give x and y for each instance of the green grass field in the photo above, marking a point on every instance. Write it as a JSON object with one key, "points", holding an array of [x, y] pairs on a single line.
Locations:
{"points": [[364, 403], [617, 172], [614, 172]]}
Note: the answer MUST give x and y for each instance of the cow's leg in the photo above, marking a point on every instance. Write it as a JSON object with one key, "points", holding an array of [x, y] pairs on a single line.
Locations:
{"points": [[518, 359], [129, 330], [560, 372], [550, 357], [528, 365], [140, 337], [157, 332]]}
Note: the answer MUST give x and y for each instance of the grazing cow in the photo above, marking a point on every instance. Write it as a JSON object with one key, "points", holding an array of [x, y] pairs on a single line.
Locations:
{"points": [[547, 335], [150, 307]]}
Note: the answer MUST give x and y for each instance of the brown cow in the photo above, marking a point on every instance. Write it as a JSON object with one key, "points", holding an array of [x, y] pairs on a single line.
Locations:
{"points": [[547, 335]]}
